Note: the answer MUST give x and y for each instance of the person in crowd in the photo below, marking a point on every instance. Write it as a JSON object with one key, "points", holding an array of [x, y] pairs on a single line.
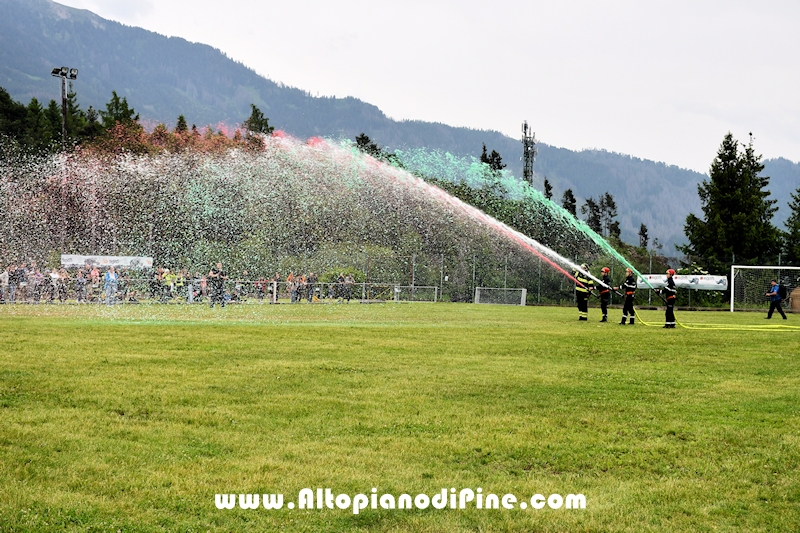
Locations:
{"points": [[62, 285], [94, 278], [583, 287], [774, 296], [340, 287], [22, 284], [16, 275], [261, 286], [349, 281], [332, 291], [35, 282], [629, 289], [192, 284], [4, 285], [311, 284], [110, 284], [154, 284], [243, 286], [50, 284], [291, 286], [302, 286], [168, 280], [217, 277], [605, 293], [80, 286], [180, 285], [127, 293], [276, 284], [200, 286]]}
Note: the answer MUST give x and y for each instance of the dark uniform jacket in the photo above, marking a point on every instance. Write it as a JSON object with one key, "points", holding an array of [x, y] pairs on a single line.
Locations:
{"points": [[629, 287], [670, 292]]}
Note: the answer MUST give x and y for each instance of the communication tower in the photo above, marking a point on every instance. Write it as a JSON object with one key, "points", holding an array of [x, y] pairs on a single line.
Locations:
{"points": [[528, 152]]}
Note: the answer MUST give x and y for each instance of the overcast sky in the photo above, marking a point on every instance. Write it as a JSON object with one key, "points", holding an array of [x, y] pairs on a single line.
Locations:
{"points": [[663, 82]]}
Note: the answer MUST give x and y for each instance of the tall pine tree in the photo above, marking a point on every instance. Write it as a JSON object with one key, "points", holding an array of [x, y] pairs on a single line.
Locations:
{"points": [[548, 189], [594, 218], [737, 224], [791, 246], [569, 203]]}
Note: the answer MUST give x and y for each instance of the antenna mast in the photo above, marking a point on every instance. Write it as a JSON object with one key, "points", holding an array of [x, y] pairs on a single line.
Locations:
{"points": [[528, 152]]}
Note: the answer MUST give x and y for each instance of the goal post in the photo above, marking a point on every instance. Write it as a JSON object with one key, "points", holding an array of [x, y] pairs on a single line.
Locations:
{"points": [[500, 295], [749, 284]]}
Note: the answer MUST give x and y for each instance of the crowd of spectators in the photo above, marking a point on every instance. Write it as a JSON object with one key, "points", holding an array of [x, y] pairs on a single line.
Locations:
{"points": [[28, 283]]}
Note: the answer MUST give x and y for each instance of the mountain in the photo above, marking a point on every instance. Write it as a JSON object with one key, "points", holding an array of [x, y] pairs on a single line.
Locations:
{"points": [[163, 77]]}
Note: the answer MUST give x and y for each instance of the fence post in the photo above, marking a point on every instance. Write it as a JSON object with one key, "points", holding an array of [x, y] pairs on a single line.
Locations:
{"points": [[474, 259], [539, 289], [441, 279], [367, 273]]}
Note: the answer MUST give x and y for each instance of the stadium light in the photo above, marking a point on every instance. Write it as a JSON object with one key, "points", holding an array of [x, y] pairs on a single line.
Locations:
{"points": [[64, 73]]}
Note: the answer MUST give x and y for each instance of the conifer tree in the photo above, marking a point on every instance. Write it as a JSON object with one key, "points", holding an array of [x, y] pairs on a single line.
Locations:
{"points": [[791, 245], [643, 238], [737, 214], [118, 110], [593, 214], [257, 122], [181, 126], [569, 203], [494, 160], [12, 116], [608, 211], [38, 128], [548, 189]]}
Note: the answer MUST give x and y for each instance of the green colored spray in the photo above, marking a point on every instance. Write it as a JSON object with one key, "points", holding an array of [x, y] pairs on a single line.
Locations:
{"points": [[472, 172]]}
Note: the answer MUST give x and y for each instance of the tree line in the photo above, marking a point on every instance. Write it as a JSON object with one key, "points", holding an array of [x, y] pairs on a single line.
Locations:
{"points": [[116, 128]]}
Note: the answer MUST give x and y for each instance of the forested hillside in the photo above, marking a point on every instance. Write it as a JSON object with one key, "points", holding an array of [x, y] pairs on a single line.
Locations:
{"points": [[166, 77]]}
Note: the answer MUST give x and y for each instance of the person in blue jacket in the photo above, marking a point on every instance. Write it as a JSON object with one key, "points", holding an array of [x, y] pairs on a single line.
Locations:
{"points": [[775, 300]]}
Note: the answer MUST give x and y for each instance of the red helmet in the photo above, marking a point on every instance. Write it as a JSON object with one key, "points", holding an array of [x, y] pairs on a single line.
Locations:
{"points": [[605, 270], [671, 272]]}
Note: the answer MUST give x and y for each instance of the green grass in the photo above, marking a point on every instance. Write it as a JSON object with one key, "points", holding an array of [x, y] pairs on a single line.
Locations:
{"points": [[133, 418]]}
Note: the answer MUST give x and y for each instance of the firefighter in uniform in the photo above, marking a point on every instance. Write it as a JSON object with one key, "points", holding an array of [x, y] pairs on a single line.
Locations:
{"points": [[605, 293], [582, 288], [629, 288], [670, 295]]}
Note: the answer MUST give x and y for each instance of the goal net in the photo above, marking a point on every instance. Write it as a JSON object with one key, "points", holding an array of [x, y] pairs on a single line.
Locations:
{"points": [[749, 284], [499, 295]]}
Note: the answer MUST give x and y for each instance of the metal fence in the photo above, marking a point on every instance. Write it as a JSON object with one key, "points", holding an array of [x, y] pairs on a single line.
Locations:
{"points": [[416, 277], [146, 290]]}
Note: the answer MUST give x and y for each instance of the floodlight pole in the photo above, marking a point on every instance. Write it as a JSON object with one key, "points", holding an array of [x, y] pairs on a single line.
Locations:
{"points": [[63, 112], [64, 73]]}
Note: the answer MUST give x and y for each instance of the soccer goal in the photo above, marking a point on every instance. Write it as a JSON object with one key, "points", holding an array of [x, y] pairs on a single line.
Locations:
{"points": [[500, 295], [749, 284]]}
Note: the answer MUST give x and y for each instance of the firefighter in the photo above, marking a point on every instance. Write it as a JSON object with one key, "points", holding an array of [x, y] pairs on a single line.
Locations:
{"points": [[629, 288], [605, 293], [582, 288], [670, 295]]}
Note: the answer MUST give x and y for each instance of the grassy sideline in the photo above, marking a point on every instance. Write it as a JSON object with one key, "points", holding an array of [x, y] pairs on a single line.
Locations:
{"points": [[133, 418]]}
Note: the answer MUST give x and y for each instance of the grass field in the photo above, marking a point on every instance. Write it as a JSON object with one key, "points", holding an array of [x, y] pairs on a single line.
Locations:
{"points": [[133, 418]]}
